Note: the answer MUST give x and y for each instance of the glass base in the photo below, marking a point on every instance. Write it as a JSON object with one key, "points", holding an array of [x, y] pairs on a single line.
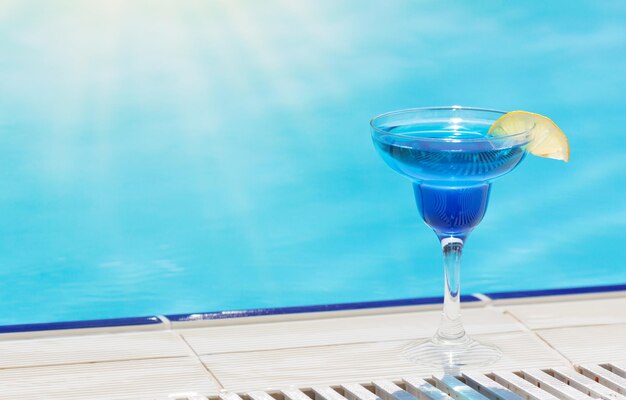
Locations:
{"points": [[452, 354]]}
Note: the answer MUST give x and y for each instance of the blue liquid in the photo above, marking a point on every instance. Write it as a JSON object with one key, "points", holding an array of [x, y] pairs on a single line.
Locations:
{"points": [[452, 211], [451, 179]]}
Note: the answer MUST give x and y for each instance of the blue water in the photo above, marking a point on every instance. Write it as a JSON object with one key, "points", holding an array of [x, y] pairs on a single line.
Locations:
{"points": [[169, 157]]}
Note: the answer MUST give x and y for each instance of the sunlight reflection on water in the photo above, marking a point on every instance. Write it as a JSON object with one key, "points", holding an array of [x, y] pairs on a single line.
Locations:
{"points": [[166, 157]]}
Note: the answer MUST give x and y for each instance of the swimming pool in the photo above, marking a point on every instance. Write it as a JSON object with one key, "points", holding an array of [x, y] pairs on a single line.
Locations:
{"points": [[201, 156]]}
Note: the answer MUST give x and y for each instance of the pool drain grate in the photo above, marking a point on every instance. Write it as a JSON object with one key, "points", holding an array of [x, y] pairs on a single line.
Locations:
{"points": [[603, 381]]}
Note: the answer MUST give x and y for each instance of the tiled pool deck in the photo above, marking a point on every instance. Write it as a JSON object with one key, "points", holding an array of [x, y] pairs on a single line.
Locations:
{"points": [[154, 361]]}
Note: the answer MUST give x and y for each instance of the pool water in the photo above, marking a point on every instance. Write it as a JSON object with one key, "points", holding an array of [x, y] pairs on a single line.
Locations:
{"points": [[163, 157]]}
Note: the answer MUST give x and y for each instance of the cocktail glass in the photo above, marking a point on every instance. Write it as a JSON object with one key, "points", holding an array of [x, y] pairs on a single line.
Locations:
{"points": [[451, 161]]}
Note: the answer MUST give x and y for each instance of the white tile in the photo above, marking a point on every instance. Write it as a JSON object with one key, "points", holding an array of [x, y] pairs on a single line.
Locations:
{"points": [[308, 316], [363, 362], [118, 380], [589, 344], [304, 367], [520, 350], [571, 313], [303, 353], [83, 331], [91, 348], [280, 335], [560, 298]]}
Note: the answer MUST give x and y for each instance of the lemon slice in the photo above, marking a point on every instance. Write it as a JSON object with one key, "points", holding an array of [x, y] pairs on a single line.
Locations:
{"points": [[547, 139]]}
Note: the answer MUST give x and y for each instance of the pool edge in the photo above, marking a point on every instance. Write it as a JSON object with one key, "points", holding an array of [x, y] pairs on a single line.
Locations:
{"points": [[401, 305]]}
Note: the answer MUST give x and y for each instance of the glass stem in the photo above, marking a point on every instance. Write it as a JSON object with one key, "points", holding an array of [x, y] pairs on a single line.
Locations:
{"points": [[451, 327]]}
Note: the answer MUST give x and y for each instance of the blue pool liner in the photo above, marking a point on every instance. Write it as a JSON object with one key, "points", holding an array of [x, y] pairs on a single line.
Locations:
{"points": [[154, 320], [390, 303], [555, 292], [316, 308]]}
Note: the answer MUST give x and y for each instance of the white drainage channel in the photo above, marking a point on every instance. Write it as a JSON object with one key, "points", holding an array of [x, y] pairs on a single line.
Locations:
{"points": [[604, 381]]}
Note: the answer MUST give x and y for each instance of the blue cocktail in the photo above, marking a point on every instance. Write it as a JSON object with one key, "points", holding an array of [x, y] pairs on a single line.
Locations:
{"points": [[451, 160]]}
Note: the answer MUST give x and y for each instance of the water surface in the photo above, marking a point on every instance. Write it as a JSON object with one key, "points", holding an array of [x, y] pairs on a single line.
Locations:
{"points": [[168, 157]]}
